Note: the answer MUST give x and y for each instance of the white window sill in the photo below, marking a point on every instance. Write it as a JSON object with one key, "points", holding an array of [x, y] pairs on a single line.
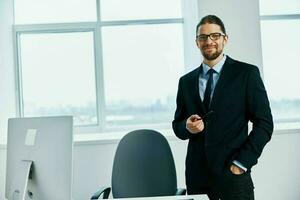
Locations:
{"points": [[115, 137], [112, 137]]}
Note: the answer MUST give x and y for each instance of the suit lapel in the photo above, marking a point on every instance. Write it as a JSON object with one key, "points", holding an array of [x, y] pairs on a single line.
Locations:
{"points": [[195, 89], [226, 75]]}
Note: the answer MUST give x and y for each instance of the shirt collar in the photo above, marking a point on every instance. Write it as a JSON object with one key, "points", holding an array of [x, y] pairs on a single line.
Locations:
{"points": [[217, 67]]}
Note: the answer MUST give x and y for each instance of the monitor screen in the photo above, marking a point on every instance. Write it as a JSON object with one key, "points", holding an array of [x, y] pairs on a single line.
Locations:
{"points": [[39, 158]]}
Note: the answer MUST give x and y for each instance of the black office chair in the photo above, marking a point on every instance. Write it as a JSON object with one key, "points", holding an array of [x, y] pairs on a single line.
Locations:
{"points": [[143, 167]]}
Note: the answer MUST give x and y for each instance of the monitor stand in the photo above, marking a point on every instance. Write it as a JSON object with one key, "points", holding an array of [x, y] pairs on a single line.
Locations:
{"points": [[20, 193]]}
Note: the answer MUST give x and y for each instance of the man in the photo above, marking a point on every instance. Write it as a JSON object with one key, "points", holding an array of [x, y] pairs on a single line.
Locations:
{"points": [[215, 102]]}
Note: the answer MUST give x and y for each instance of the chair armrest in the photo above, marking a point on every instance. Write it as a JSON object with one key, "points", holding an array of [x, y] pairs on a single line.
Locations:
{"points": [[180, 191], [104, 191]]}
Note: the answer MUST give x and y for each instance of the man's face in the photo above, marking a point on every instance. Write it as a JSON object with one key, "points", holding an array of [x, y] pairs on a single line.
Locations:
{"points": [[211, 49]]}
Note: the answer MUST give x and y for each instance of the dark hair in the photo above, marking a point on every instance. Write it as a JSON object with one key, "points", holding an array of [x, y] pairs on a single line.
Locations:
{"points": [[211, 19]]}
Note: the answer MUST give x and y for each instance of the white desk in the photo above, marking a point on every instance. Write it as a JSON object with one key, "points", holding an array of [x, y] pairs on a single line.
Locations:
{"points": [[180, 197], [183, 197]]}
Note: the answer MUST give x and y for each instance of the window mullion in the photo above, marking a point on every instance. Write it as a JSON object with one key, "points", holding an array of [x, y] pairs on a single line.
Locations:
{"points": [[99, 72], [18, 75], [99, 79], [280, 17]]}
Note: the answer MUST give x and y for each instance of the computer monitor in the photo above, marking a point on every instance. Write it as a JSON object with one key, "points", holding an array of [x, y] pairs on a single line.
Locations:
{"points": [[39, 158]]}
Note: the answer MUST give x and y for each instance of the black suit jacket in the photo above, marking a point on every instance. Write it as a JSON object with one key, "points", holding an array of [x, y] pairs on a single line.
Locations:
{"points": [[239, 97]]}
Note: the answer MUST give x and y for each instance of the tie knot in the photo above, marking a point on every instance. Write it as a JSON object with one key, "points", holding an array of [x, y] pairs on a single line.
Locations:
{"points": [[210, 71]]}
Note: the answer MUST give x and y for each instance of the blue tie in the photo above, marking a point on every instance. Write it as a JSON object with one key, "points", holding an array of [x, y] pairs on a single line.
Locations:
{"points": [[208, 89]]}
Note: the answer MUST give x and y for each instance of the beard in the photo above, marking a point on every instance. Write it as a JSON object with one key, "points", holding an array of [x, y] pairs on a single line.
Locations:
{"points": [[211, 56]]}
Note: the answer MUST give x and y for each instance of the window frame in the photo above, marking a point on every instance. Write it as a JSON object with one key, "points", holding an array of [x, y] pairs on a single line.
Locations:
{"points": [[188, 20]]}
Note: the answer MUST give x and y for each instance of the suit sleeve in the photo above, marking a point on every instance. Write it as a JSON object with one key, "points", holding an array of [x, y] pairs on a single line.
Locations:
{"points": [[259, 112], [180, 117]]}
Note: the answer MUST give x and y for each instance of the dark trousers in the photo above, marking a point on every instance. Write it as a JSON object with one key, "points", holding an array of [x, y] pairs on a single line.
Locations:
{"points": [[227, 187]]}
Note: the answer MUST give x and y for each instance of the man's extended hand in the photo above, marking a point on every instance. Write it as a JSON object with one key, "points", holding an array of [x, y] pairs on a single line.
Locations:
{"points": [[236, 170], [194, 124]]}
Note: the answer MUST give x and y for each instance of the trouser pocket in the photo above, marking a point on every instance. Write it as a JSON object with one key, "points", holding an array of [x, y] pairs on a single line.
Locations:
{"points": [[237, 187]]}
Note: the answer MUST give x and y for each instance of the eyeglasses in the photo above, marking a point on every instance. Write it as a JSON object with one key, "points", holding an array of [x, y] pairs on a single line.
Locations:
{"points": [[212, 36]]}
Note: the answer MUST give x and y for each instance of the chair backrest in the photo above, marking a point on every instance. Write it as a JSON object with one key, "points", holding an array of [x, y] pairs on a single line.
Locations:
{"points": [[143, 166]]}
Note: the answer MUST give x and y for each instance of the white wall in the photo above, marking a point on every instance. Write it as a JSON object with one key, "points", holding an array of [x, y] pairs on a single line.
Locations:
{"points": [[2, 171], [7, 87], [241, 19], [7, 77], [277, 177]]}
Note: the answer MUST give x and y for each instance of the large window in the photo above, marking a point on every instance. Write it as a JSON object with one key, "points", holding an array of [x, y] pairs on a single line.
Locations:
{"points": [[54, 11], [109, 63], [280, 29], [140, 9], [141, 73], [58, 75]]}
